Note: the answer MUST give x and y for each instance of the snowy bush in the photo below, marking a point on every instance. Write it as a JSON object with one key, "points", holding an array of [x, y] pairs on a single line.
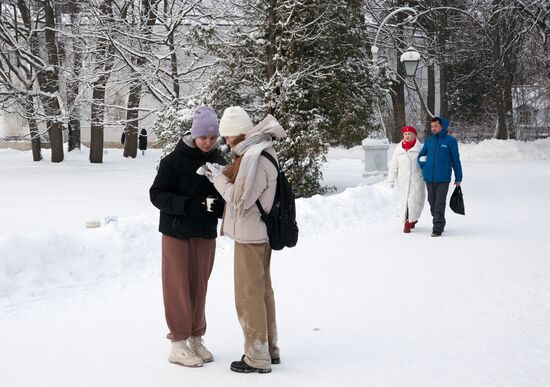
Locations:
{"points": [[170, 125]]}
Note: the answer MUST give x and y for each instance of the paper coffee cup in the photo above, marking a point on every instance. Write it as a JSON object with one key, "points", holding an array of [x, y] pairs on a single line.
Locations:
{"points": [[209, 201]]}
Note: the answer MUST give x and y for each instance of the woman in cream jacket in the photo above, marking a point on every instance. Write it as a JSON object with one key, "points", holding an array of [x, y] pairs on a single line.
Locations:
{"points": [[410, 183], [249, 177]]}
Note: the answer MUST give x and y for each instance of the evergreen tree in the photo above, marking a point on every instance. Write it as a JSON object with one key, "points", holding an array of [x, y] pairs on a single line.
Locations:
{"points": [[347, 48], [303, 62]]}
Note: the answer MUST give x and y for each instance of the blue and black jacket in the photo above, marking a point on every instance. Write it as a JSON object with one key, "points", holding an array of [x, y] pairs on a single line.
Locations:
{"points": [[442, 154]]}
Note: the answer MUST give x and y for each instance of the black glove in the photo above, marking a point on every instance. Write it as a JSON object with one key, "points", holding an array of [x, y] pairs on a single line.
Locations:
{"points": [[195, 207], [217, 207]]}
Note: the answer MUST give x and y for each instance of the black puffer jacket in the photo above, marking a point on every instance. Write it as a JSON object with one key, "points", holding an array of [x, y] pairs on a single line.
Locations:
{"points": [[177, 185]]}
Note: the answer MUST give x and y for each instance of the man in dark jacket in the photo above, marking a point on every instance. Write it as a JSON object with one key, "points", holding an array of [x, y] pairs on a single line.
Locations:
{"points": [[436, 159], [189, 231]]}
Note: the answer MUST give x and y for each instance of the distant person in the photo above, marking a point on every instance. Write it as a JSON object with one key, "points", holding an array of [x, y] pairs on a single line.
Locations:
{"points": [[142, 141], [438, 156], [250, 177], [189, 233], [405, 170]]}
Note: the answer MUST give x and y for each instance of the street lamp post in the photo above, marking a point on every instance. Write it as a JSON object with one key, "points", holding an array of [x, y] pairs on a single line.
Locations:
{"points": [[374, 49], [410, 59], [376, 150]]}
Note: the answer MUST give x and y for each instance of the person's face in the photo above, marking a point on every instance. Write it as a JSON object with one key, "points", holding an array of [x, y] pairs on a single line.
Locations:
{"points": [[436, 127], [231, 141], [409, 136], [206, 143]]}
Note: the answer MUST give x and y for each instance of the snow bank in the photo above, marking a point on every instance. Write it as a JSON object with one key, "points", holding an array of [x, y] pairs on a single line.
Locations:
{"points": [[485, 150], [35, 263], [353, 207], [506, 150]]}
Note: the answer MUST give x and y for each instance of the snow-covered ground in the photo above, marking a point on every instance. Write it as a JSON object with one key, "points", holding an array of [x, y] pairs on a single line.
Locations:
{"points": [[359, 302]]}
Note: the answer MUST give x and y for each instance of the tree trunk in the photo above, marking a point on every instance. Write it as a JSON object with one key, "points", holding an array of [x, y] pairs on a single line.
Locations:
{"points": [[398, 89], [104, 64], [443, 83], [271, 48], [96, 123], [48, 77], [432, 27], [132, 119], [398, 102], [502, 129], [174, 66], [33, 129], [430, 98], [74, 82], [508, 105], [50, 84], [134, 98]]}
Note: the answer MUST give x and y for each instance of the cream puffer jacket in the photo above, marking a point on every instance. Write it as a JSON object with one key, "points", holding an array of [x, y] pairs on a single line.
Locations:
{"points": [[250, 228], [404, 169]]}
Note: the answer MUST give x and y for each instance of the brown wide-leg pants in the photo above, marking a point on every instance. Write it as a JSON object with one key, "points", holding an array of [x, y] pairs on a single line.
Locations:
{"points": [[186, 267], [255, 303]]}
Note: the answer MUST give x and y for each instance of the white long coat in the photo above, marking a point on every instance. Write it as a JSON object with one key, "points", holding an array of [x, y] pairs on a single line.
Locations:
{"points": [[404, 170]]}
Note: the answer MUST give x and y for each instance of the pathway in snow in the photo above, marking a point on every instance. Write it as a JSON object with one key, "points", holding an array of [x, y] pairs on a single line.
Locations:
{"points": [[359, 302]]}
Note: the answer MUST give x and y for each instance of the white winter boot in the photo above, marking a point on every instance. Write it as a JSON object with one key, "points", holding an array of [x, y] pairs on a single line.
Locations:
{"points": [[196, 344], [183, 355]]}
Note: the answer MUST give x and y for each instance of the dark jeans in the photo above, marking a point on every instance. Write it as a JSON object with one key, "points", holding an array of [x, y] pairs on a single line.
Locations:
{"points": [[437, 197]]}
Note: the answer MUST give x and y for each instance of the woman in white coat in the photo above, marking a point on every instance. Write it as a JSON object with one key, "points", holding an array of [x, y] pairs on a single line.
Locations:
{"points": [[405, 171]]}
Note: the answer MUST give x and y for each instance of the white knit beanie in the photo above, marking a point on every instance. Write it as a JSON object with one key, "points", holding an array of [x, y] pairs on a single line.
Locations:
{"points": [[234, 122]]}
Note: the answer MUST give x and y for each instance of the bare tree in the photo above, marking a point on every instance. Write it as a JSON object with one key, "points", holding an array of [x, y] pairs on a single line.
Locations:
{"points": [[25, 29], [47, 69], [17, 75], [103, 62]]}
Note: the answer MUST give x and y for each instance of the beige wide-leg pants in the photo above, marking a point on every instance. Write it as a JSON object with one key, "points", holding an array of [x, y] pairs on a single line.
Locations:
{"points": [[255, 303]]}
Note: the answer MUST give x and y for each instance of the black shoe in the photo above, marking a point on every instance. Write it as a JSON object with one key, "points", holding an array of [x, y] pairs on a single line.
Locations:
{"points": [[436, 233], [242, 367], [275, 360]]}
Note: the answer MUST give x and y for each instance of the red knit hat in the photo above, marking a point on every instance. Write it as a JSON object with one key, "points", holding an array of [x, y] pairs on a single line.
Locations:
{"points": [[408, 129]]}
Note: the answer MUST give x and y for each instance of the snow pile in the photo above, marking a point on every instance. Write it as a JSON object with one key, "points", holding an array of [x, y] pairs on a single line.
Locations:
{"points": [[485, 150], [353, 207], [35, 263], [506, 150]]}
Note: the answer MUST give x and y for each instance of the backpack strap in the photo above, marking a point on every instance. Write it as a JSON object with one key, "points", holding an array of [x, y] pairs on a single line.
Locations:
{"points": [[272, 159]]}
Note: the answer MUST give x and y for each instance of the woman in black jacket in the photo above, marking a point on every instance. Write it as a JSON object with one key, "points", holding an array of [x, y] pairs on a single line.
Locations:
{"points": [[189, 231]]}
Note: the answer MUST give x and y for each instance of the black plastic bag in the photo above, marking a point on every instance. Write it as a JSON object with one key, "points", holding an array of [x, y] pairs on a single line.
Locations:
{"points": [[457, 201]]}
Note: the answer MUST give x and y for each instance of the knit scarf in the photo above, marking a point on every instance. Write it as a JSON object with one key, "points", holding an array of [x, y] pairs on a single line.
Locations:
{"points": [[408, 145], [250, 149]]}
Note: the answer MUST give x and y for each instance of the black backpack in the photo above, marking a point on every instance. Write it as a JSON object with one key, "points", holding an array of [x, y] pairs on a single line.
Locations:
{"points": [[282, 228]]}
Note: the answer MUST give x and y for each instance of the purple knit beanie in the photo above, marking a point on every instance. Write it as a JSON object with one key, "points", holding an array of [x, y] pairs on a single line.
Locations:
{"points": [[205, 123]]}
